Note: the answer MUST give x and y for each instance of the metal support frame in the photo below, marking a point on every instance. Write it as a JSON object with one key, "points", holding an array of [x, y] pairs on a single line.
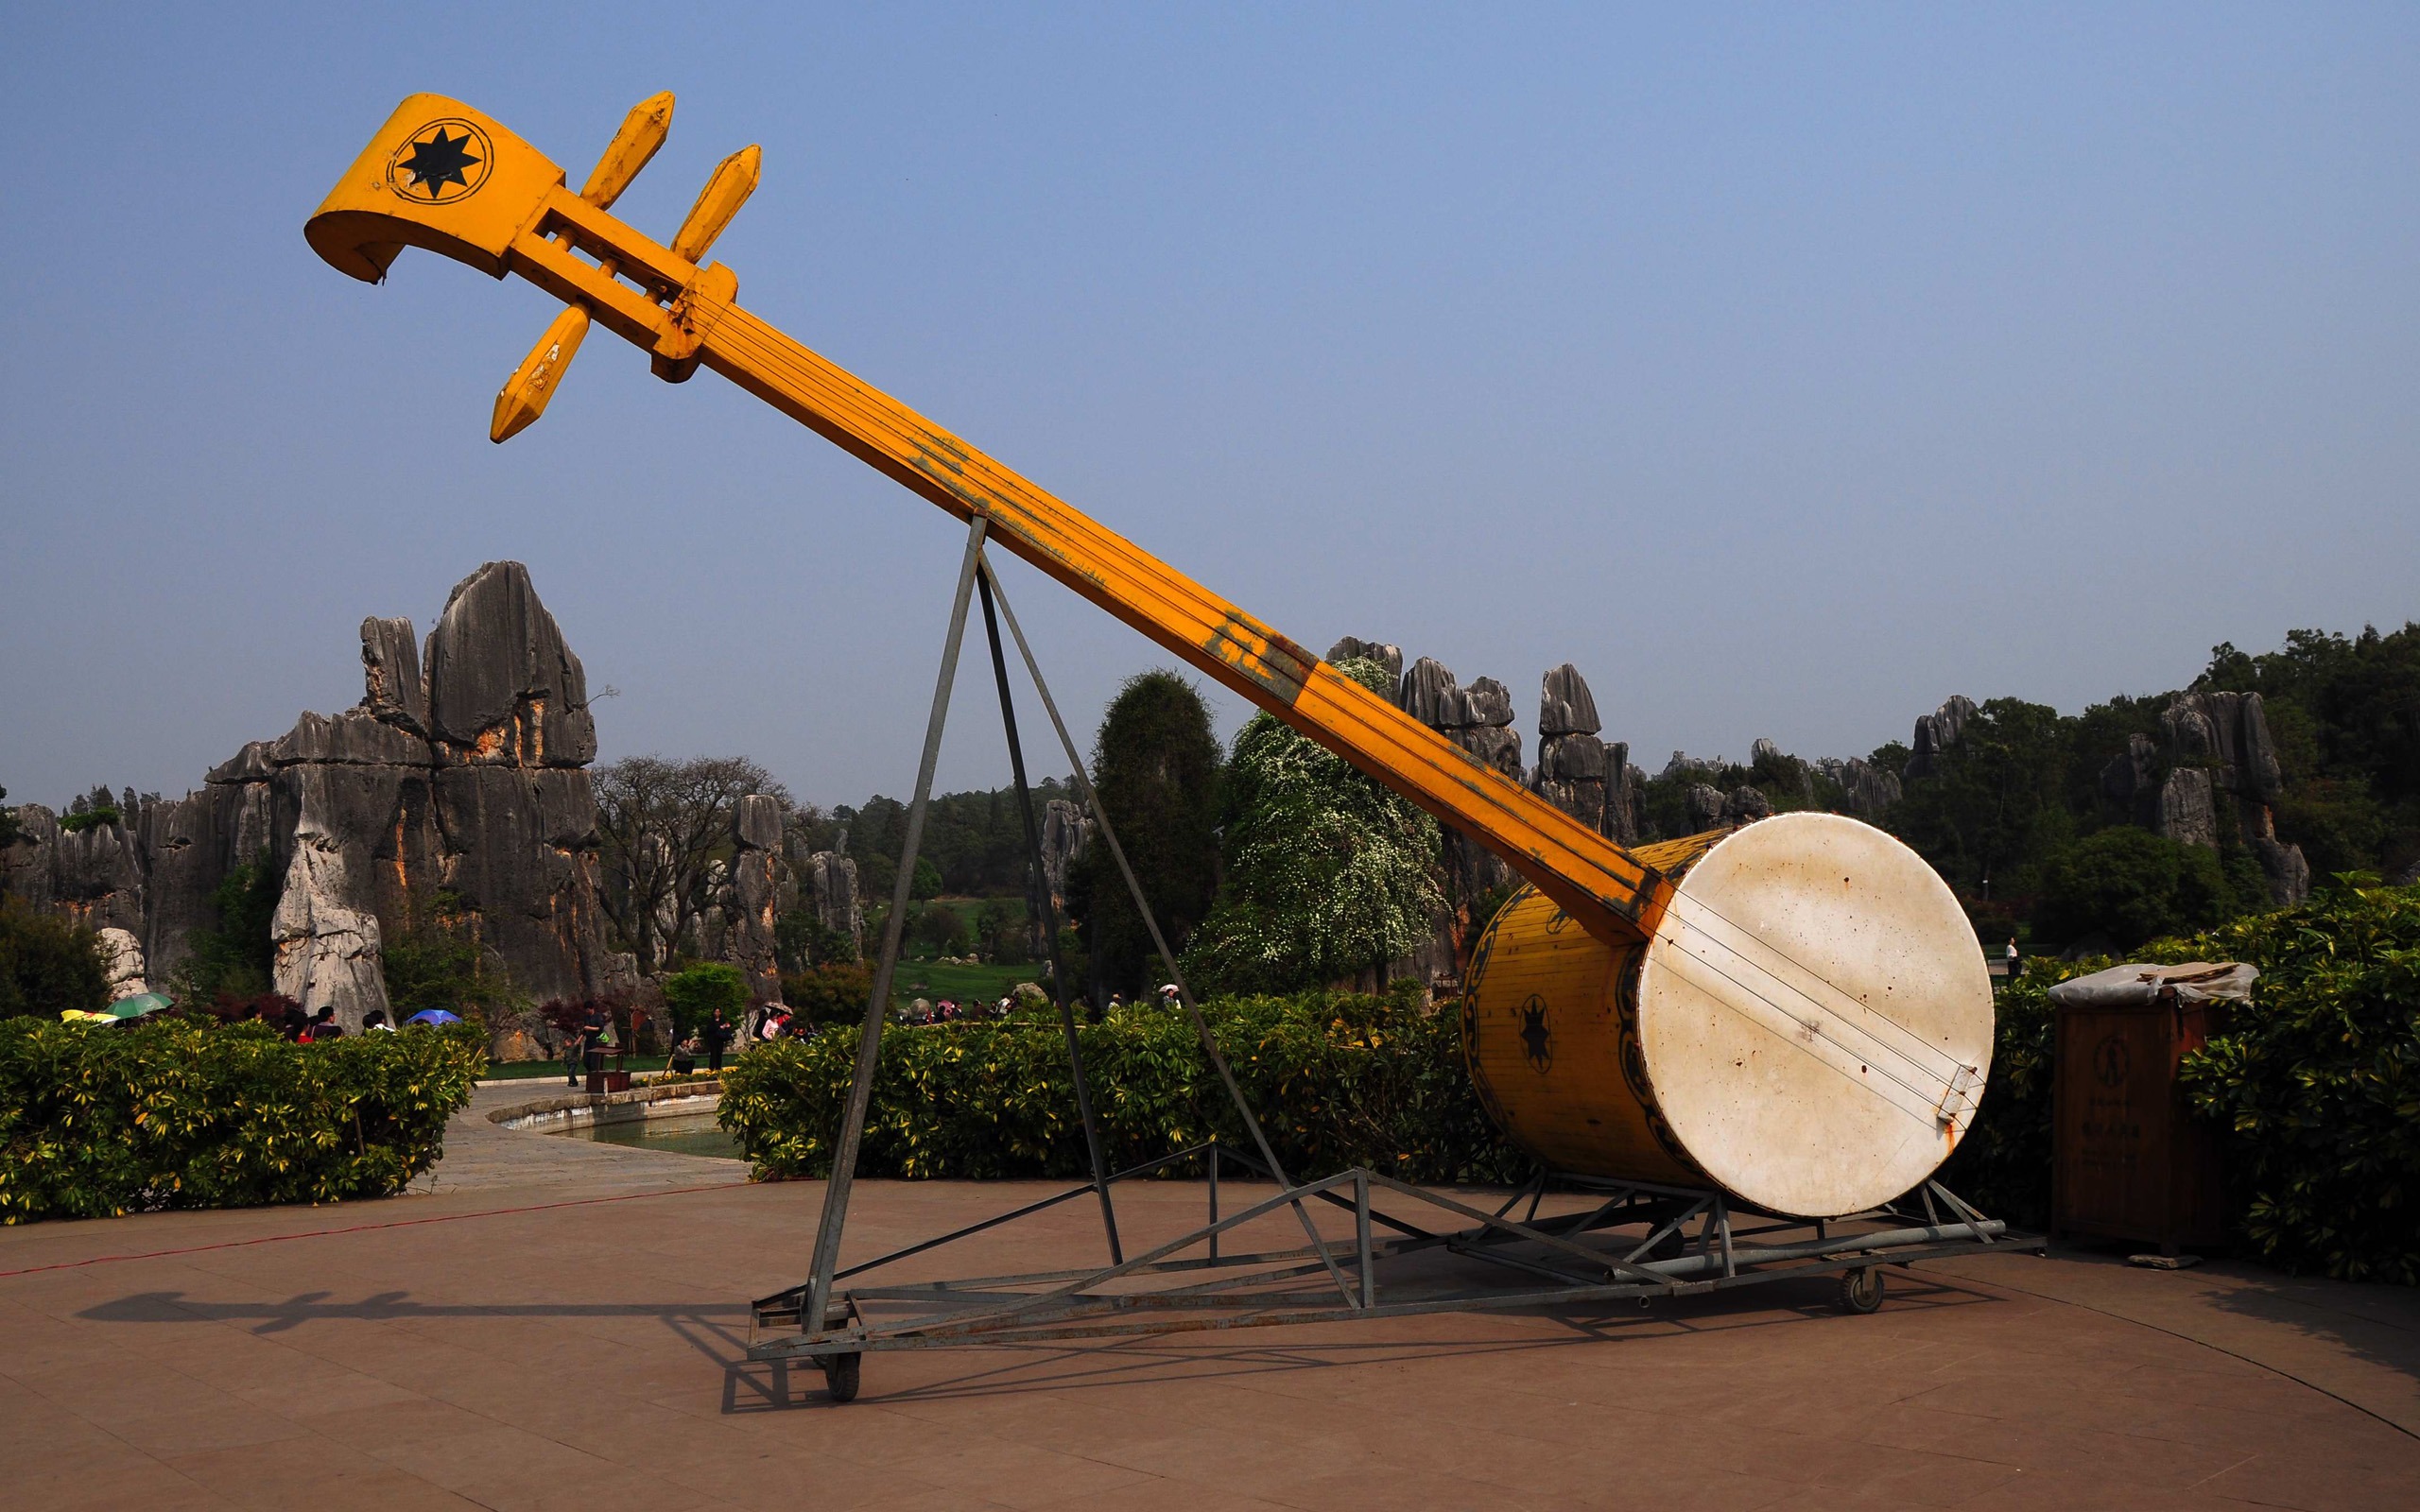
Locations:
{"points": [[1644, 1245], [1600, 1253]]}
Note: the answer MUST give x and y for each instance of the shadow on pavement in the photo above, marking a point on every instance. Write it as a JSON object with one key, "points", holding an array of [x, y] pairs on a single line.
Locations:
{"points": [[1010, 1369], [387, 1307]]}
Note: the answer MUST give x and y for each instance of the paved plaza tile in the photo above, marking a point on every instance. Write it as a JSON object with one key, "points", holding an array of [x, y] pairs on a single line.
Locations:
{"points": [[555, 1324]]}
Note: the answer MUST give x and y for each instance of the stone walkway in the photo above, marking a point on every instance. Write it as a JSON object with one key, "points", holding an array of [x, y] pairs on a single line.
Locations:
{"points": [[558, 1323], [480, 1155]]}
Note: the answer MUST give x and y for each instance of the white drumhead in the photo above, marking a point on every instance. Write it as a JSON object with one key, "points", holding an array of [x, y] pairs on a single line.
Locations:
{"points": [[1813, 1001]]}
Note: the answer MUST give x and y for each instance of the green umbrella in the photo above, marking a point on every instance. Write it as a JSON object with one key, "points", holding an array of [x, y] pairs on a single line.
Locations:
{"points": [[137, 1005]]}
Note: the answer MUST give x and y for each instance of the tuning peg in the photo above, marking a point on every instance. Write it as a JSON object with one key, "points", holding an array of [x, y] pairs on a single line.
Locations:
{"points": [[643, 132], [524, 396], [735, 179]]}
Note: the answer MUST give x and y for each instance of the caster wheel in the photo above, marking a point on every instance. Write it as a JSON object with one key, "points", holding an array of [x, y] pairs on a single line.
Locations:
{"points": [[841, 1376], [1861, 1289]]}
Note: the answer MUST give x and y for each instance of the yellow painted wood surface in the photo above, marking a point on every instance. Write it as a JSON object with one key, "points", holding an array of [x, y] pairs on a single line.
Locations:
{"points": [[1550, 1034]]}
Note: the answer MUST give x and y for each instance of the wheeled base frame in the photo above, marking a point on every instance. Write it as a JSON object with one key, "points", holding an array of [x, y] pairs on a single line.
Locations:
{"points": [[1635, 1241]]}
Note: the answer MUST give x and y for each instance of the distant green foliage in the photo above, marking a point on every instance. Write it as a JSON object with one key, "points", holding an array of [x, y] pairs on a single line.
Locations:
{"points": [[1328, 873], [939, 929], [47, 966], [2023, 784], [1998, 801], [1157, 768], [91, 811], [436, 965], [237, 957], [172, 1113], [2131, 885], [801, 940], [974, 840], [829, 994], [2344, 711], [1338, 1080], [9, 827], [1000, 933], [692, 994]]}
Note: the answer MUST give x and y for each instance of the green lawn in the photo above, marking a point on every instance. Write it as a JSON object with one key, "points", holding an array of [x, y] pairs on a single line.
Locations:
{"points": [[933, 980]]}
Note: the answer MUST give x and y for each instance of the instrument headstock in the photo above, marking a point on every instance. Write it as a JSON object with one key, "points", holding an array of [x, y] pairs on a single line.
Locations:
{"points": [[442, 176]]}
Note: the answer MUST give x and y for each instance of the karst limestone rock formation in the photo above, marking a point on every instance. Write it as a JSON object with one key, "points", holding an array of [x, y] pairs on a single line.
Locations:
{"points": [[121, 962], [2210, 780], [1578, 773], [753, 894], [1936, 733], [458, 784], [1480, 720], [1353, 648], [824, 884], [1067, 835]]}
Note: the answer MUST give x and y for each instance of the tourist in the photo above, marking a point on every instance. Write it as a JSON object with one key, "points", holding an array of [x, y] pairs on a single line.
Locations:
{"points": [[718, 1041], [294, 1026], [593, 1032], [375, 1021], [323, 1025], [571, 1060], [685, 1056]]}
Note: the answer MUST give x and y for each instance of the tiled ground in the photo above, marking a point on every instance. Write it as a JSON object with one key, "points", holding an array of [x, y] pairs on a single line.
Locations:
{"points": [[475, 1347]]}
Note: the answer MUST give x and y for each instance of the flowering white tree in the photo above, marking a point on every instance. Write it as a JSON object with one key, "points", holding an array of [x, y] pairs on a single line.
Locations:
{"points": [[1328, 874]]}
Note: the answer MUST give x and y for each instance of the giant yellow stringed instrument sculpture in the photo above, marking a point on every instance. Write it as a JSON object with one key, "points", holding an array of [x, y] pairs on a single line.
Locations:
{"points": [[1796, 1012]]}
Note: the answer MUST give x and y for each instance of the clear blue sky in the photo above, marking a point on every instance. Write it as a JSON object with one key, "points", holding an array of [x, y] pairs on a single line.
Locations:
{"points": [[1785, 370]]}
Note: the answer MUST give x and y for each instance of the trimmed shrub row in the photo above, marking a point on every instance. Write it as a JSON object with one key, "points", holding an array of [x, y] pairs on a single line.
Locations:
{"points": [[1337, 1080], [174, 1114]]}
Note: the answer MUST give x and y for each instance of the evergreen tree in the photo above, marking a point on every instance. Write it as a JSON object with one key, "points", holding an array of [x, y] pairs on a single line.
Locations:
{"points": [[1157, 766]]}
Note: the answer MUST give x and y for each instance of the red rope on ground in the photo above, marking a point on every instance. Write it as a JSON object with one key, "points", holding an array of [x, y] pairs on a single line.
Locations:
{"points": [[365, 1227]]}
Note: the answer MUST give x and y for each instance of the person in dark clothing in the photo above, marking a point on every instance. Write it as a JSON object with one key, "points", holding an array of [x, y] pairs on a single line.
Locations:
{"points": [[718, 1041], [294, 1026], [324, 1025], [592, 1041]]}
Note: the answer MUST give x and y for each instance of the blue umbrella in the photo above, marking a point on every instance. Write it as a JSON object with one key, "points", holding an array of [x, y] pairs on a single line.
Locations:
{"points": [[434, 1016]]}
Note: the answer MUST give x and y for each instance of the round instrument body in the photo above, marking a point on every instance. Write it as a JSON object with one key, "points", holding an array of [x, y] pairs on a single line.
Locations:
{"points": [[1809, 1029]]}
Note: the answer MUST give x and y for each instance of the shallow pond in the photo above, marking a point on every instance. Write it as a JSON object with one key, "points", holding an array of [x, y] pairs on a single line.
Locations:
{"points": [[685, 1134]]}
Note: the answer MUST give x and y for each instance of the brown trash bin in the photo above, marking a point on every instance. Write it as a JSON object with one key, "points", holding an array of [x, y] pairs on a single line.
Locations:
{"points": [[2129, 1160]]}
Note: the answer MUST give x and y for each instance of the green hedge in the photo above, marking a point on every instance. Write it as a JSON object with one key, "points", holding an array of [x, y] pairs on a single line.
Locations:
{"points": [[2317, 1083], [2318, 1086], [1337, 1081], [98, 1121]]}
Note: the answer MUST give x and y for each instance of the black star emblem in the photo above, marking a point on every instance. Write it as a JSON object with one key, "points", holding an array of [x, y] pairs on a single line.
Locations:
{"points": [[439, 161], [1537, 1041]]}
